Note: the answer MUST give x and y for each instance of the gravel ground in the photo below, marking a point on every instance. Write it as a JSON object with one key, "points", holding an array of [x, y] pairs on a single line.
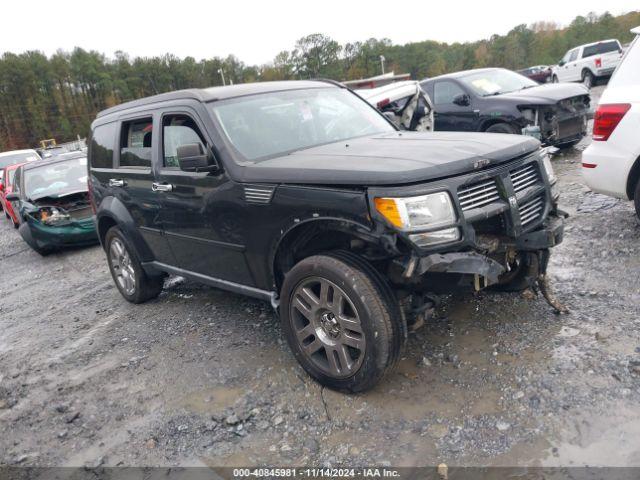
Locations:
{"points": [[203, 377]]}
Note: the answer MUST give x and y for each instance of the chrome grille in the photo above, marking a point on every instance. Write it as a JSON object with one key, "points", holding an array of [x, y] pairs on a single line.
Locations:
{"points": [[524, 177], [478, 194], [259, 193], [531, 210]]}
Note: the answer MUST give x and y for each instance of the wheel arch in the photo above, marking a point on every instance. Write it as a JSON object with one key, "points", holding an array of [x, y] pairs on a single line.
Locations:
{"points": [[587, 70], [315, 236], [495, 121], [633, 179], [112, 212]]}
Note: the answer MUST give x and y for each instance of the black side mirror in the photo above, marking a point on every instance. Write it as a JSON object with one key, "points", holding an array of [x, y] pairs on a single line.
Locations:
{"points": [[12, 197], [462, 100], [191, 158], [561, 63]]}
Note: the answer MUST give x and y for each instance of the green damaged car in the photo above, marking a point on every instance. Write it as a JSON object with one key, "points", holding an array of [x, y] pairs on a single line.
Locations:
{"points": [[52, 201]]}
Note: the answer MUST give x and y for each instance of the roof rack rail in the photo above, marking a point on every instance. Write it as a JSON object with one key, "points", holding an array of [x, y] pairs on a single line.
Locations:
{"points": [[329, 80]]}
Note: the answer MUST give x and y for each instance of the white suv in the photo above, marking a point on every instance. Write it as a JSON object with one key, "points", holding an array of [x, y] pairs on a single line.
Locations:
{"points": [[589, 62], [611, 164]]}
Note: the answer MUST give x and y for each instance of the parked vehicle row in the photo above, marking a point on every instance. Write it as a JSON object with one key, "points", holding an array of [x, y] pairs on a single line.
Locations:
{"points": [[611, 164], [496, 100], [47, 201], [340, 208]]}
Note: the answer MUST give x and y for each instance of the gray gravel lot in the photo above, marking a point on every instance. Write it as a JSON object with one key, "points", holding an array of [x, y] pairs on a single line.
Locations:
{"points": [[203, 377]]}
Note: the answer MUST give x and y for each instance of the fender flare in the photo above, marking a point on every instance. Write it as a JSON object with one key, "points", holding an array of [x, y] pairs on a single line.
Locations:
{"points": [[352, 227], [113, 209]]}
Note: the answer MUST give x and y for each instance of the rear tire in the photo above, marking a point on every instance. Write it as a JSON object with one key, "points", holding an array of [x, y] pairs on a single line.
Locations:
{"points": [[588, 80], [130, 278], [636, 200], [341, 321], [501, 128]]}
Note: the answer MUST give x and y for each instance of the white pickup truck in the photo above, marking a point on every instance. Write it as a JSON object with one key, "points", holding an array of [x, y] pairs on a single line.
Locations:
{"points": [[589, 62]]}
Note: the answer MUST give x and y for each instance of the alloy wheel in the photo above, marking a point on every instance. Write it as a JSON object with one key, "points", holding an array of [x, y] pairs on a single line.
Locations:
{"points": [[122, 267], [327, 327]]}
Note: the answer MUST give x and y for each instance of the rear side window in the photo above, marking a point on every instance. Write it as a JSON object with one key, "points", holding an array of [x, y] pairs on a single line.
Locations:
{"points": [[135, 143], [101, 146], [600, 48]]}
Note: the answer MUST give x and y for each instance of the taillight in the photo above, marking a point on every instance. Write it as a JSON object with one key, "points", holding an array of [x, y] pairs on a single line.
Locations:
{"points": [[607, 118], [598, 63], [383, 103]]}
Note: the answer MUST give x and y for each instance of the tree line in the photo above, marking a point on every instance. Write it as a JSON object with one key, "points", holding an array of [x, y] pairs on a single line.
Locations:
{"points": [[58, 96]]}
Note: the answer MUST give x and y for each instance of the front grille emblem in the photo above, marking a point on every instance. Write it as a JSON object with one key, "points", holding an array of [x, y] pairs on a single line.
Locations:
{"points": [[513, 202], [483, 162]]}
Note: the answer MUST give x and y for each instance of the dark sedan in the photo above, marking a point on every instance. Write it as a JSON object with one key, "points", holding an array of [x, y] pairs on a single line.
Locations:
{"points": [[539, 73], [496, 100]]}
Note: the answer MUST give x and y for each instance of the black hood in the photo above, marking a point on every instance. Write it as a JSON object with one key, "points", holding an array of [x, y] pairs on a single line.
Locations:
{"points": [[392, 159], [547, 94]]}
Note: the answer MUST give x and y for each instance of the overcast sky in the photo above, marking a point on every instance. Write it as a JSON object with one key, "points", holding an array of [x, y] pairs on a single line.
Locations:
{"points": [[255, 31]]}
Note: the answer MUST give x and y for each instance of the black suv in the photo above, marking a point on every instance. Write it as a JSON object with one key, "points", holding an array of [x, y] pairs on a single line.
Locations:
{"points": [[302, 194]]}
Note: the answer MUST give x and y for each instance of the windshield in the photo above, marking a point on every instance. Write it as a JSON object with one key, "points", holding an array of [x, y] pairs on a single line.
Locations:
{"points": [[270, 124], [56, 179], [14, 158], [495, 82]]}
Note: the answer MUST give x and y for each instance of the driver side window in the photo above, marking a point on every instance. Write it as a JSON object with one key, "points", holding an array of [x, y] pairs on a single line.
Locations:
{"points": [[445, 92], [179, 130]]}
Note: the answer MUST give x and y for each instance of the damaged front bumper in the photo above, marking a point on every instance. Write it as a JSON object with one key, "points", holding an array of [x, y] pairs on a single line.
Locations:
{"points": [[79, 232], [560, 124], [487, 267]]}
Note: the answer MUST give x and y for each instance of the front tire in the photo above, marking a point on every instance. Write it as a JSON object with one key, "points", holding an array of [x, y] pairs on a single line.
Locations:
{"points": [[554, 79], [341, 322], [130, 278]]}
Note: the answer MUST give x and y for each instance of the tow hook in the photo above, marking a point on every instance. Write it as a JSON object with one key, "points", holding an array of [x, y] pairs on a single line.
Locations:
{"points": [[547, 293], [538, 270]]}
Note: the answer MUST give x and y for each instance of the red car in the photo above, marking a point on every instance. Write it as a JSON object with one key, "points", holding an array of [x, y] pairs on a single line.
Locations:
{"points": [[6, 187], [539, 73]]}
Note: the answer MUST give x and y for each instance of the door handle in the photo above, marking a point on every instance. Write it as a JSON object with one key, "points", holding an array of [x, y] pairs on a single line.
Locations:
{"points": [[116, 182], [161, 187]]}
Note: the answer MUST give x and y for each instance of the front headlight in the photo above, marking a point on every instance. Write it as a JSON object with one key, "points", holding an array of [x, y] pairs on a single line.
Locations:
{"points": [[416, 213], [53, 216], [551, 175], [548, 168]]}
